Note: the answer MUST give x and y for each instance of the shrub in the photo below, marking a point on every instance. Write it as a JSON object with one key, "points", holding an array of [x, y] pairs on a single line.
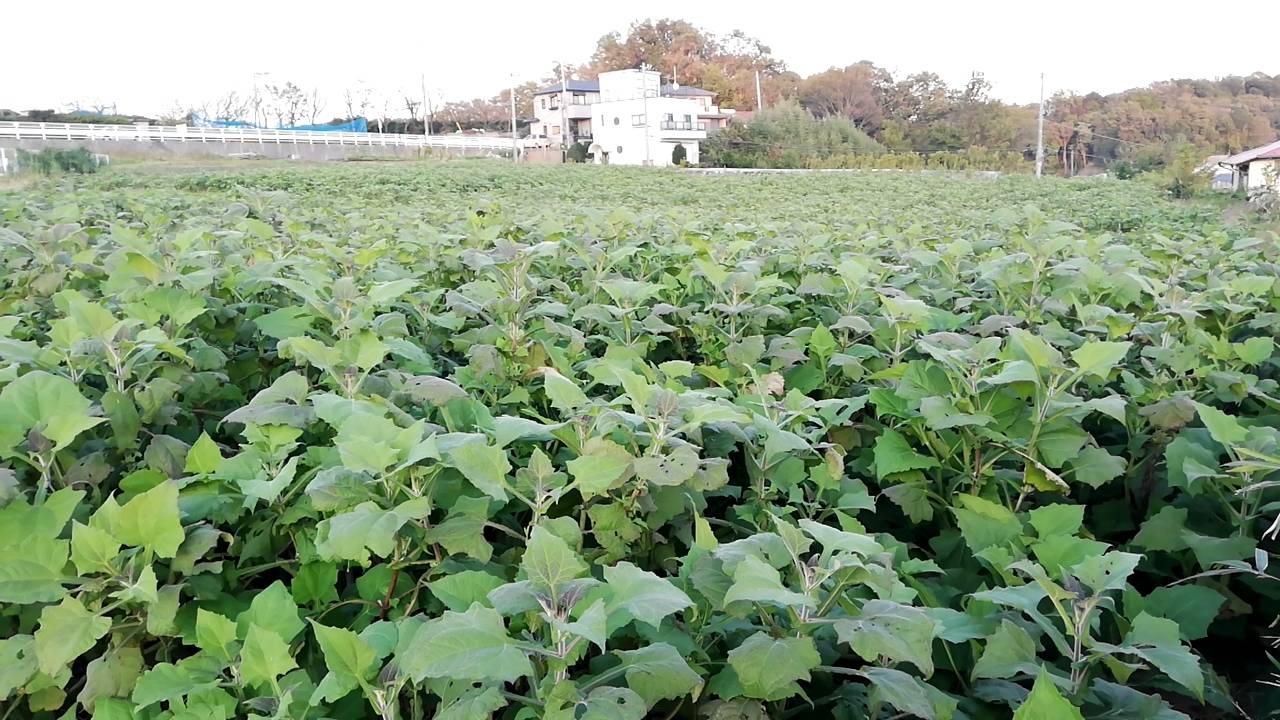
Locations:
{"points": [[679, 155], [54, 160], [577, 153]]}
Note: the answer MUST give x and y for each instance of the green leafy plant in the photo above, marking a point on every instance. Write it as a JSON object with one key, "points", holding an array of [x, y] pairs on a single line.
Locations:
{"points": [[433, 441]]}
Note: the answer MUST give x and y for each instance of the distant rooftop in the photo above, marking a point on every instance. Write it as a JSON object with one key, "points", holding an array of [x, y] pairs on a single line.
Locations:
{"points": [[572, 85], [685, 91], [1266, 152]]}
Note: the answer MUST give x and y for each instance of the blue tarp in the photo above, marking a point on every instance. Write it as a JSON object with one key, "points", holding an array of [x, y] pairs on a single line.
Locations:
{"points": [[357, 125]]}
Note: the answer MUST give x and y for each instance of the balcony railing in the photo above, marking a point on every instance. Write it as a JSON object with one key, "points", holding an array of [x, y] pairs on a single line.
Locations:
{"points": [[674, 125]]}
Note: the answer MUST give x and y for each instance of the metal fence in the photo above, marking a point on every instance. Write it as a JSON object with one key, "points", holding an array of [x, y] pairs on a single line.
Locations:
{"points": [[183, 133]]}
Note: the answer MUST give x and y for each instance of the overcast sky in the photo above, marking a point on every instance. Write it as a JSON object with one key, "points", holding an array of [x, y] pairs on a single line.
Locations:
{"points": [[146, 56]]}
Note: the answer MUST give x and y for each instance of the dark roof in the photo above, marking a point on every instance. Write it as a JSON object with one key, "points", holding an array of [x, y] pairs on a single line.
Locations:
{"points": [[572, 86], [685, 91]]}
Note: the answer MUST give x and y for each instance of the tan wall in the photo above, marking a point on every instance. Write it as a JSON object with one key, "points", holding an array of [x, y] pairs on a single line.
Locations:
{"points": [[543, 156]]}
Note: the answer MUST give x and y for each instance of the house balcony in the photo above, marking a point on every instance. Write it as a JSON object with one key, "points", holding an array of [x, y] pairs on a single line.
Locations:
{"points": [[676, 130], [581, 111]]}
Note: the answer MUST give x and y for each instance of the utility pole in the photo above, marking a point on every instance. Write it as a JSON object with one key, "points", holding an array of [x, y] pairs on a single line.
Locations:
{"points": [[515, 142], [645, 69], [564, 116], [1040, 131], [759, 100]]}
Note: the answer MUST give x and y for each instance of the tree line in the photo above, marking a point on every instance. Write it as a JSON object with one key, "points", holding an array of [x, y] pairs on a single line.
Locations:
{"points": [[870, 111], [836, 117]]}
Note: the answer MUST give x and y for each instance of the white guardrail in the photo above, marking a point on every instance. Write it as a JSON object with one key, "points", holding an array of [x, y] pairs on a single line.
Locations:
{"points": [[185, 133]]}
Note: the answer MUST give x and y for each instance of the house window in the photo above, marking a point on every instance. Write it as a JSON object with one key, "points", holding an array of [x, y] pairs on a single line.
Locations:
{"points": [[637, 120], [555, 129], [688, 119], [579, 98], [544, 102], [617, 121], [619, 149], [668, 117]]}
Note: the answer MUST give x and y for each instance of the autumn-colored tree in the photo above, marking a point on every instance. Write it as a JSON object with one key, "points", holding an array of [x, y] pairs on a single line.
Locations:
{"points": [[689, 55], [853, 92]]}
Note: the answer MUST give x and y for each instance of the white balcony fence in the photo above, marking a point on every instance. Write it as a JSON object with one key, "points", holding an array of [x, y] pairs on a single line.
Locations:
{"points": [[184, 133]]}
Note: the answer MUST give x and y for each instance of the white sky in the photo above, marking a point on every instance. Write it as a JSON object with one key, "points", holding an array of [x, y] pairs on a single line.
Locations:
{"points": [[145, 55]]}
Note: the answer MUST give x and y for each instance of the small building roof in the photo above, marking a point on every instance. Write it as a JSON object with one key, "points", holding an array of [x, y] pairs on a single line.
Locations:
{"points": [[572, 85], [671, 90], [1266, 152]]}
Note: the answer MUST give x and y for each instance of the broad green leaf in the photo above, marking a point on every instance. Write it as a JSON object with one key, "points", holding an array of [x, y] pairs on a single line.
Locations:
{"points": [[384, 292], [1060, 442], [562, 392], [1098, 358], [836, 541], [610, 703], [36, 575], [1008, 652], [909, 695], [821, 342], [642, 594], [1223, 427], [163, 681], [272, 609], [112, 675], [1052, 520], [151, 520], [757, 582], [892, 631], [1255, 350], [770, 668], [1158, 641], [595, 472], [549, 563], [1061, 552], [264, 657], [1046, 702], [92, 549], [349, 658], [66, 631], [17, 663], [355, 534], [463, 529], [216, 635], [1192, 607], [49, 404], [161, 613], [203, 456], [659, 672], [475, 704], [894, 455], [484, 466], [471, 646], [1106, 572], [285, 322], [984, 523], [1095, 467], [459, 590], [1163, 530]]}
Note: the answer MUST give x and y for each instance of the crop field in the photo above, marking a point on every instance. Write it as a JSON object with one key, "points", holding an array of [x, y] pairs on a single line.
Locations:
{"points": [[464, 441]]}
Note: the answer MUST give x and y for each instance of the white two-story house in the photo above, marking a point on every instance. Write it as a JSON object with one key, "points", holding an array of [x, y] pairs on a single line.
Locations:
{"points": [[626, 117], [564, 114]]}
